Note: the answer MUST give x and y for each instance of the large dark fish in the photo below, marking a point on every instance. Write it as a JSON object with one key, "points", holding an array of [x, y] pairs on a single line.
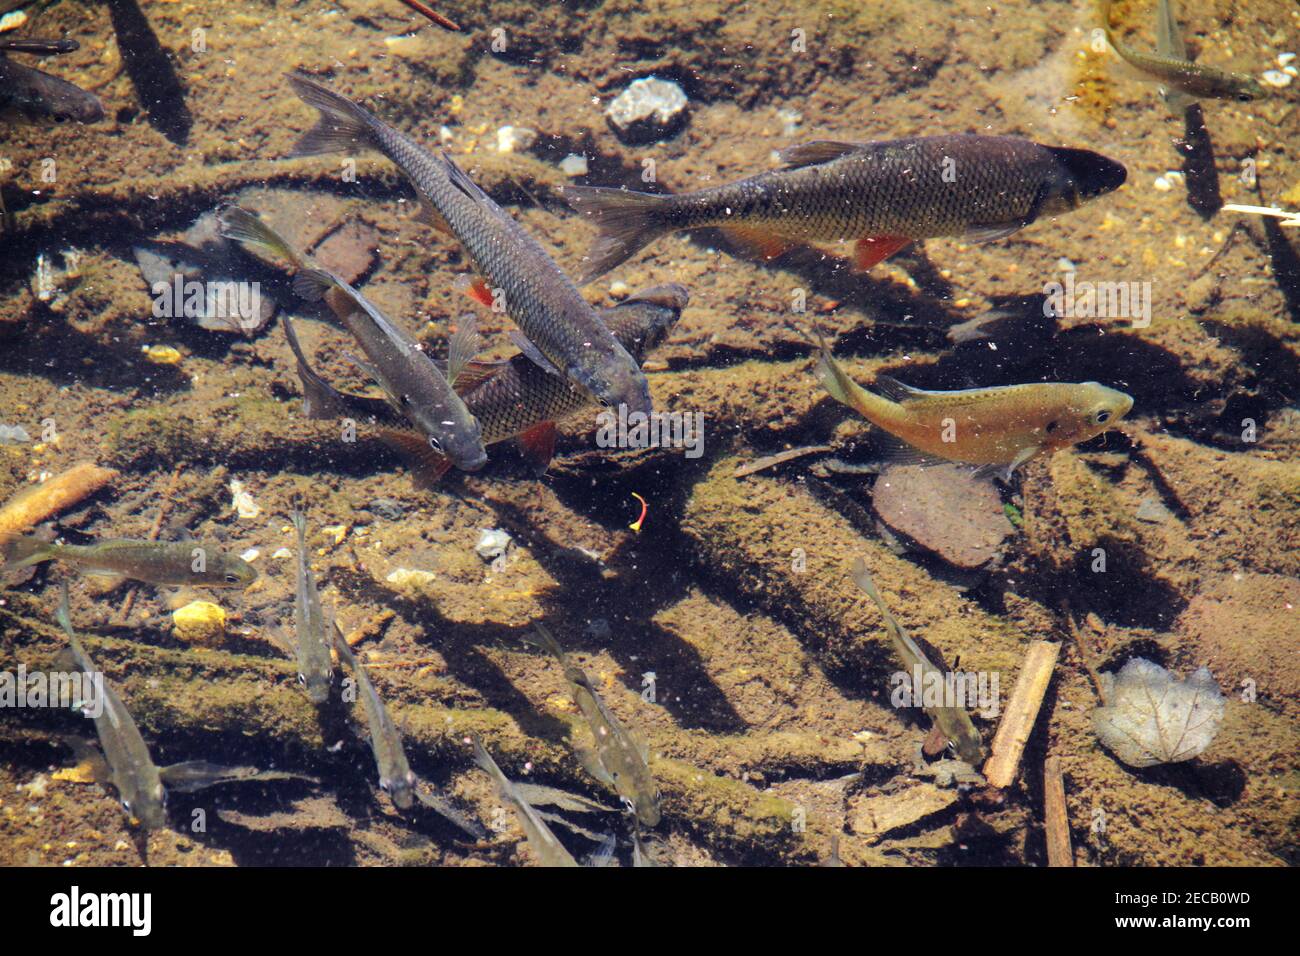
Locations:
{"points": [[513, 398], [882, 195], [409, 377], [31, 97], [562, 330]]}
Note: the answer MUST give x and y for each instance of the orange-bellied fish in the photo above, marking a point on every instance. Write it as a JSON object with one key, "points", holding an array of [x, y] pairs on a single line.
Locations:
{"points": [[882, 195], [513, 398], [998, 428], [561, 330]]}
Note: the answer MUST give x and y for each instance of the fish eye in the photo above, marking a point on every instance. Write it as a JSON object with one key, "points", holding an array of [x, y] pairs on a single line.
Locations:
{"points": [[126, 805], [1052, 426], [1103, 417], [386, 786], [232, 577], [302, 679], [435, 444]]}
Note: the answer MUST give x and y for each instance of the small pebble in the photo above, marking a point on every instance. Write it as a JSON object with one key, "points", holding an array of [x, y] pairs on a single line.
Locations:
{"points": [[14, 435], [386, 508], [515, 139], [201, 623], [492, 543], [1277, 78], [649, 109], [574, 165]]}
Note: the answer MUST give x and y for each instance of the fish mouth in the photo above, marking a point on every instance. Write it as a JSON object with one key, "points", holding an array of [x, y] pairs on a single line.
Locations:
{"points": [[1092, 173], [472, 462]]}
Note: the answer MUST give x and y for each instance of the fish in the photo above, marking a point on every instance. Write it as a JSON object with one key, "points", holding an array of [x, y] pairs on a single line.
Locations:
{"points": [[29, 96], [131, 769], [312, 647], [154, 562], [126, 763], [622, 762], [954, 722], [997, 428], [396, 778], [511, 399], [1185, 81], [550, 851], [396, 362], [881, 195], [561, 330]]}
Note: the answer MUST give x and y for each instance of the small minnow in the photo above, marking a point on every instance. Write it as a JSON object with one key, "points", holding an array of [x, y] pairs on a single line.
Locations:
{"points": [[154, 562], [513, 398], [998, 428], [954, 722], [881, 195], [561, 330], [141, 784], [396, 778], [132, 771], [621, 762], [550, 851], [33, 97], [312, 647], [1185, 80], [410, 378]]}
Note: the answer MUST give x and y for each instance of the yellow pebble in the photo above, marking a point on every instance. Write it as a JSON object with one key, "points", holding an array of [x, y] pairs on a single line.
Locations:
{"points": [[200, 622], [162, 355]]}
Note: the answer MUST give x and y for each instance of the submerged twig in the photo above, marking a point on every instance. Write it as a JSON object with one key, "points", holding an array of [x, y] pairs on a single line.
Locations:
{"points": [[1055, 818], [1021, 714], [780, 458]]}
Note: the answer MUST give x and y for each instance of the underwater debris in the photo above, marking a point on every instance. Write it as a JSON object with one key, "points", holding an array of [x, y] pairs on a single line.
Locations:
{"points": [[200, 623], [649, 109], [1154, 717], [14, 435], [493, 543], [574, 165], [515, 139], [33, 505]]}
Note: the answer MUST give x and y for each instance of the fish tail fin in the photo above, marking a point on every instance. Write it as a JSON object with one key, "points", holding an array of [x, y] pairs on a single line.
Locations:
{"points": [[628, 222], [542, 637], [299, 521], [319, 398], [240, 225], [21, 551], [343, 126], [844, 390]]}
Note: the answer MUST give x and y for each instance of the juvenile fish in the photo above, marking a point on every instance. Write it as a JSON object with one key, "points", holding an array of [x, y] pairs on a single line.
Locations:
{"points": [[561, 328], [313, 632], [132, 771], [32, 97], [954, 722], [622, 761], [550, 851], [396, 778], [998, 428], [411, 380], [154, 562], [513, 398], [881, 195], [1185, 80]]}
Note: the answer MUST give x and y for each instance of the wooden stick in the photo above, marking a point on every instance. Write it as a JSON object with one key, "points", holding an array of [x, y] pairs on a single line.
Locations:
{"points": [[1022, 712], [1055, 818], [780, 458], [35, 504], [420, 8]]}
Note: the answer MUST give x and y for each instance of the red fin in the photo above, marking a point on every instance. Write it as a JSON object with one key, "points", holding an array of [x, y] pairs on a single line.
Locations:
{"points": [[538, 446], [869, 250], [427, 465], [476, 289], [759, 242]]}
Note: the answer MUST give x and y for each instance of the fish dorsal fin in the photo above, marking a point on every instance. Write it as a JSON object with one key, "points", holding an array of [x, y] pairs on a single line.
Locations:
{"points": [[1169, 39], [896, 391], [460, 179], [464, 345], [533, 354], [475, 374], [816, 152]]}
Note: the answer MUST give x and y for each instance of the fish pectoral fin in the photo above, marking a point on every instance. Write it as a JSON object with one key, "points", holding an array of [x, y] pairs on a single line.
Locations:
{"points": [[590, 762], [432, 218], [537, 445], [427, 466], [991, 232], [870, 250], [815, 152], [532, 353], [444, 808], [85, 751], [758, 242]]}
